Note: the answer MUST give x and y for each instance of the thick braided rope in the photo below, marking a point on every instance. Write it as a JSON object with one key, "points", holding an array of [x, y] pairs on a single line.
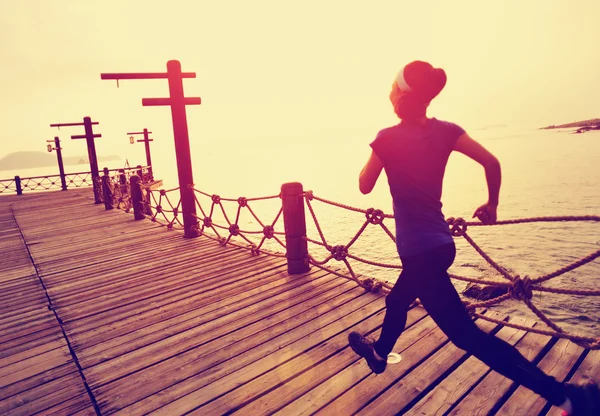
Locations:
{"points": [[585, 342], [232, 227], [518, 288]]}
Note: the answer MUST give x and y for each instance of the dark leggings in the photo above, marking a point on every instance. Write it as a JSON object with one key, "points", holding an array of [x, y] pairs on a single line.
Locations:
{"points": [[425, 276]]}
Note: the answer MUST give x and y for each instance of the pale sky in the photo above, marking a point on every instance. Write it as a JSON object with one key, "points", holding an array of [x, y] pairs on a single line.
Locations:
{"points": [[271, 70]]}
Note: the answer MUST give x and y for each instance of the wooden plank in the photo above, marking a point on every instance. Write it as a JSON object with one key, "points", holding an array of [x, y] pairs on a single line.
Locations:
{"points": [[49, 322], [556, 363], [111, 301], [456, 384], [289, 381], [121, 312], [87, 411], [31, 347], [81, 279], [180, 377], [68, 407], [86, 281], [205, 329], [258, 314], [146, 283], [43, 396], [429, 338], [16, 344], [136, 336], [39, 379], [589, 369], [32, 353], [85, 334], [494, 386], [29, 314], [36, 367]]}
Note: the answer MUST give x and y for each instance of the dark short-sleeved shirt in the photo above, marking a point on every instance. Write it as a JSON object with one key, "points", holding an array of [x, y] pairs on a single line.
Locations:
{"points": [[414, 158]]}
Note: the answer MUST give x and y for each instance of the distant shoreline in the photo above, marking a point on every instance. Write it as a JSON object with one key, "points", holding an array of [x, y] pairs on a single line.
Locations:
{"points": [[592, 124]]}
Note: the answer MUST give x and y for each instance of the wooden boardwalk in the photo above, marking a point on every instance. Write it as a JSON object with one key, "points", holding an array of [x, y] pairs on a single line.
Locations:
{"points": [[101, 314]]}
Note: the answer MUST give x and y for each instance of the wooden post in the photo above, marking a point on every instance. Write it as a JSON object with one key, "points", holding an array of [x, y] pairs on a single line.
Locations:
{"points": [[182, 149], [140, 173], [89, 137], [18, 185], [294, 222], [123, 183], [136, 198], [61, 167], [147, 141], [106, 191], [177, 101]]}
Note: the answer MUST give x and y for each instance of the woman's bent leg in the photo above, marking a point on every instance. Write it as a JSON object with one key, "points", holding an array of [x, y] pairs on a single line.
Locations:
{"points": [[443, 303]]}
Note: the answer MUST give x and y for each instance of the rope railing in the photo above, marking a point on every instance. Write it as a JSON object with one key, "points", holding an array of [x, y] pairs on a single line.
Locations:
{"points": [[159, 206], [121, 193], [53, 182], [8, 185], [163, 207], [226, 232], [117, 183], [517, 287]]}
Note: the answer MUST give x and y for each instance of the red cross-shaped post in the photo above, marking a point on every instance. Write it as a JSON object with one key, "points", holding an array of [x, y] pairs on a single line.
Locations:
{"points": [[89, 136], [177, 101]]}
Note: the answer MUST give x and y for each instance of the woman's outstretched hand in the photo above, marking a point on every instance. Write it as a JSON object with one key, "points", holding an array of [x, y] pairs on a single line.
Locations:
{"points": [[487, 213]]}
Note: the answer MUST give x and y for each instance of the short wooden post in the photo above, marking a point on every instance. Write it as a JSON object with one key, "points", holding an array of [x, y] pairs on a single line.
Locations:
{"points": [[147, 141], [123, 183], [140, 173], [18, 185], [106, 191], [294, 221], [136, 198], [61, 167]]}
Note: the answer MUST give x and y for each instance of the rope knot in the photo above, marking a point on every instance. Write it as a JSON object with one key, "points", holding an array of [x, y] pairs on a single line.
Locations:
{"points": [[268, 231], [374, 216], [521, 288], [309, 195], [371, 285], [162, 192], [207, 221], [243, 201], [458, 226], [255, 251], [339, 252], [222, 241], [175, 211], [216, 199], [234, 229], [159, 209], [170, 226]]}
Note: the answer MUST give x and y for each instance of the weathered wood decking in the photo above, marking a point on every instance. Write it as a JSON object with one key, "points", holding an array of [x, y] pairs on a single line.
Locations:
{"points": [[102, 314]]}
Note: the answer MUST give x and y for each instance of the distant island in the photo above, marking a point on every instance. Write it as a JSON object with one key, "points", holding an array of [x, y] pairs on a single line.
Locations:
{"points": [[35, 159], [583, 126]]}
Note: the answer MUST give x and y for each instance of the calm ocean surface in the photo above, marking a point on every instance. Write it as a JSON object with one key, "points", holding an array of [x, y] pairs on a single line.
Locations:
{"points": [[545, 173]]}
